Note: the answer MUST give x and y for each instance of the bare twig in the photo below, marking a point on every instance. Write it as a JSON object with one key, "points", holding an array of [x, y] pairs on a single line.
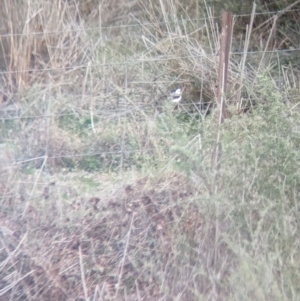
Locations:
{"points": [[124, 257]]}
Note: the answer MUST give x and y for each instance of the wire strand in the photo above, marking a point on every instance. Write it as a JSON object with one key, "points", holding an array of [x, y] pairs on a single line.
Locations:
{"points": [[143, 61], [144, 24]]}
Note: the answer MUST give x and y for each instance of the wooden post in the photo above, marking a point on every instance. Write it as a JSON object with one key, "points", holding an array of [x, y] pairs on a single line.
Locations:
{"points": [[221, 94], [224, 62], [222, 81]]}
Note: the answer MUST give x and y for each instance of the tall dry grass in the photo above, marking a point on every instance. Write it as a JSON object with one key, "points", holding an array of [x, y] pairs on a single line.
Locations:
{"points": [[108, 191]]}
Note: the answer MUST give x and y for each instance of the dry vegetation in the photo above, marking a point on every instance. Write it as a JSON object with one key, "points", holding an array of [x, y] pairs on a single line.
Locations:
{"points": [[108, 191]]}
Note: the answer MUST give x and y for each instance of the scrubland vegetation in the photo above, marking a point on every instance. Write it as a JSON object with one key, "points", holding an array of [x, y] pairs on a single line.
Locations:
{"points": [[109, 191]]}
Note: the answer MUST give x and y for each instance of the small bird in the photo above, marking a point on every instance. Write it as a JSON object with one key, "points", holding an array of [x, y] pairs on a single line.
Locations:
{"points": [[177, 95]]}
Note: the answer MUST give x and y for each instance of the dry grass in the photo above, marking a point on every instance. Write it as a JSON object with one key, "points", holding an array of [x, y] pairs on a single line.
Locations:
{"points": [[108, 191]]}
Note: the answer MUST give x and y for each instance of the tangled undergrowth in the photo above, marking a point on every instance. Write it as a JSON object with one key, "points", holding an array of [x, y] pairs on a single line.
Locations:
{"points": [[109, 191]]}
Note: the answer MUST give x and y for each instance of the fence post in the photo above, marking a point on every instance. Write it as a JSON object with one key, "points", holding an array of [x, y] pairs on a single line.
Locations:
{"points": [[224, 62], [222, 80]]}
